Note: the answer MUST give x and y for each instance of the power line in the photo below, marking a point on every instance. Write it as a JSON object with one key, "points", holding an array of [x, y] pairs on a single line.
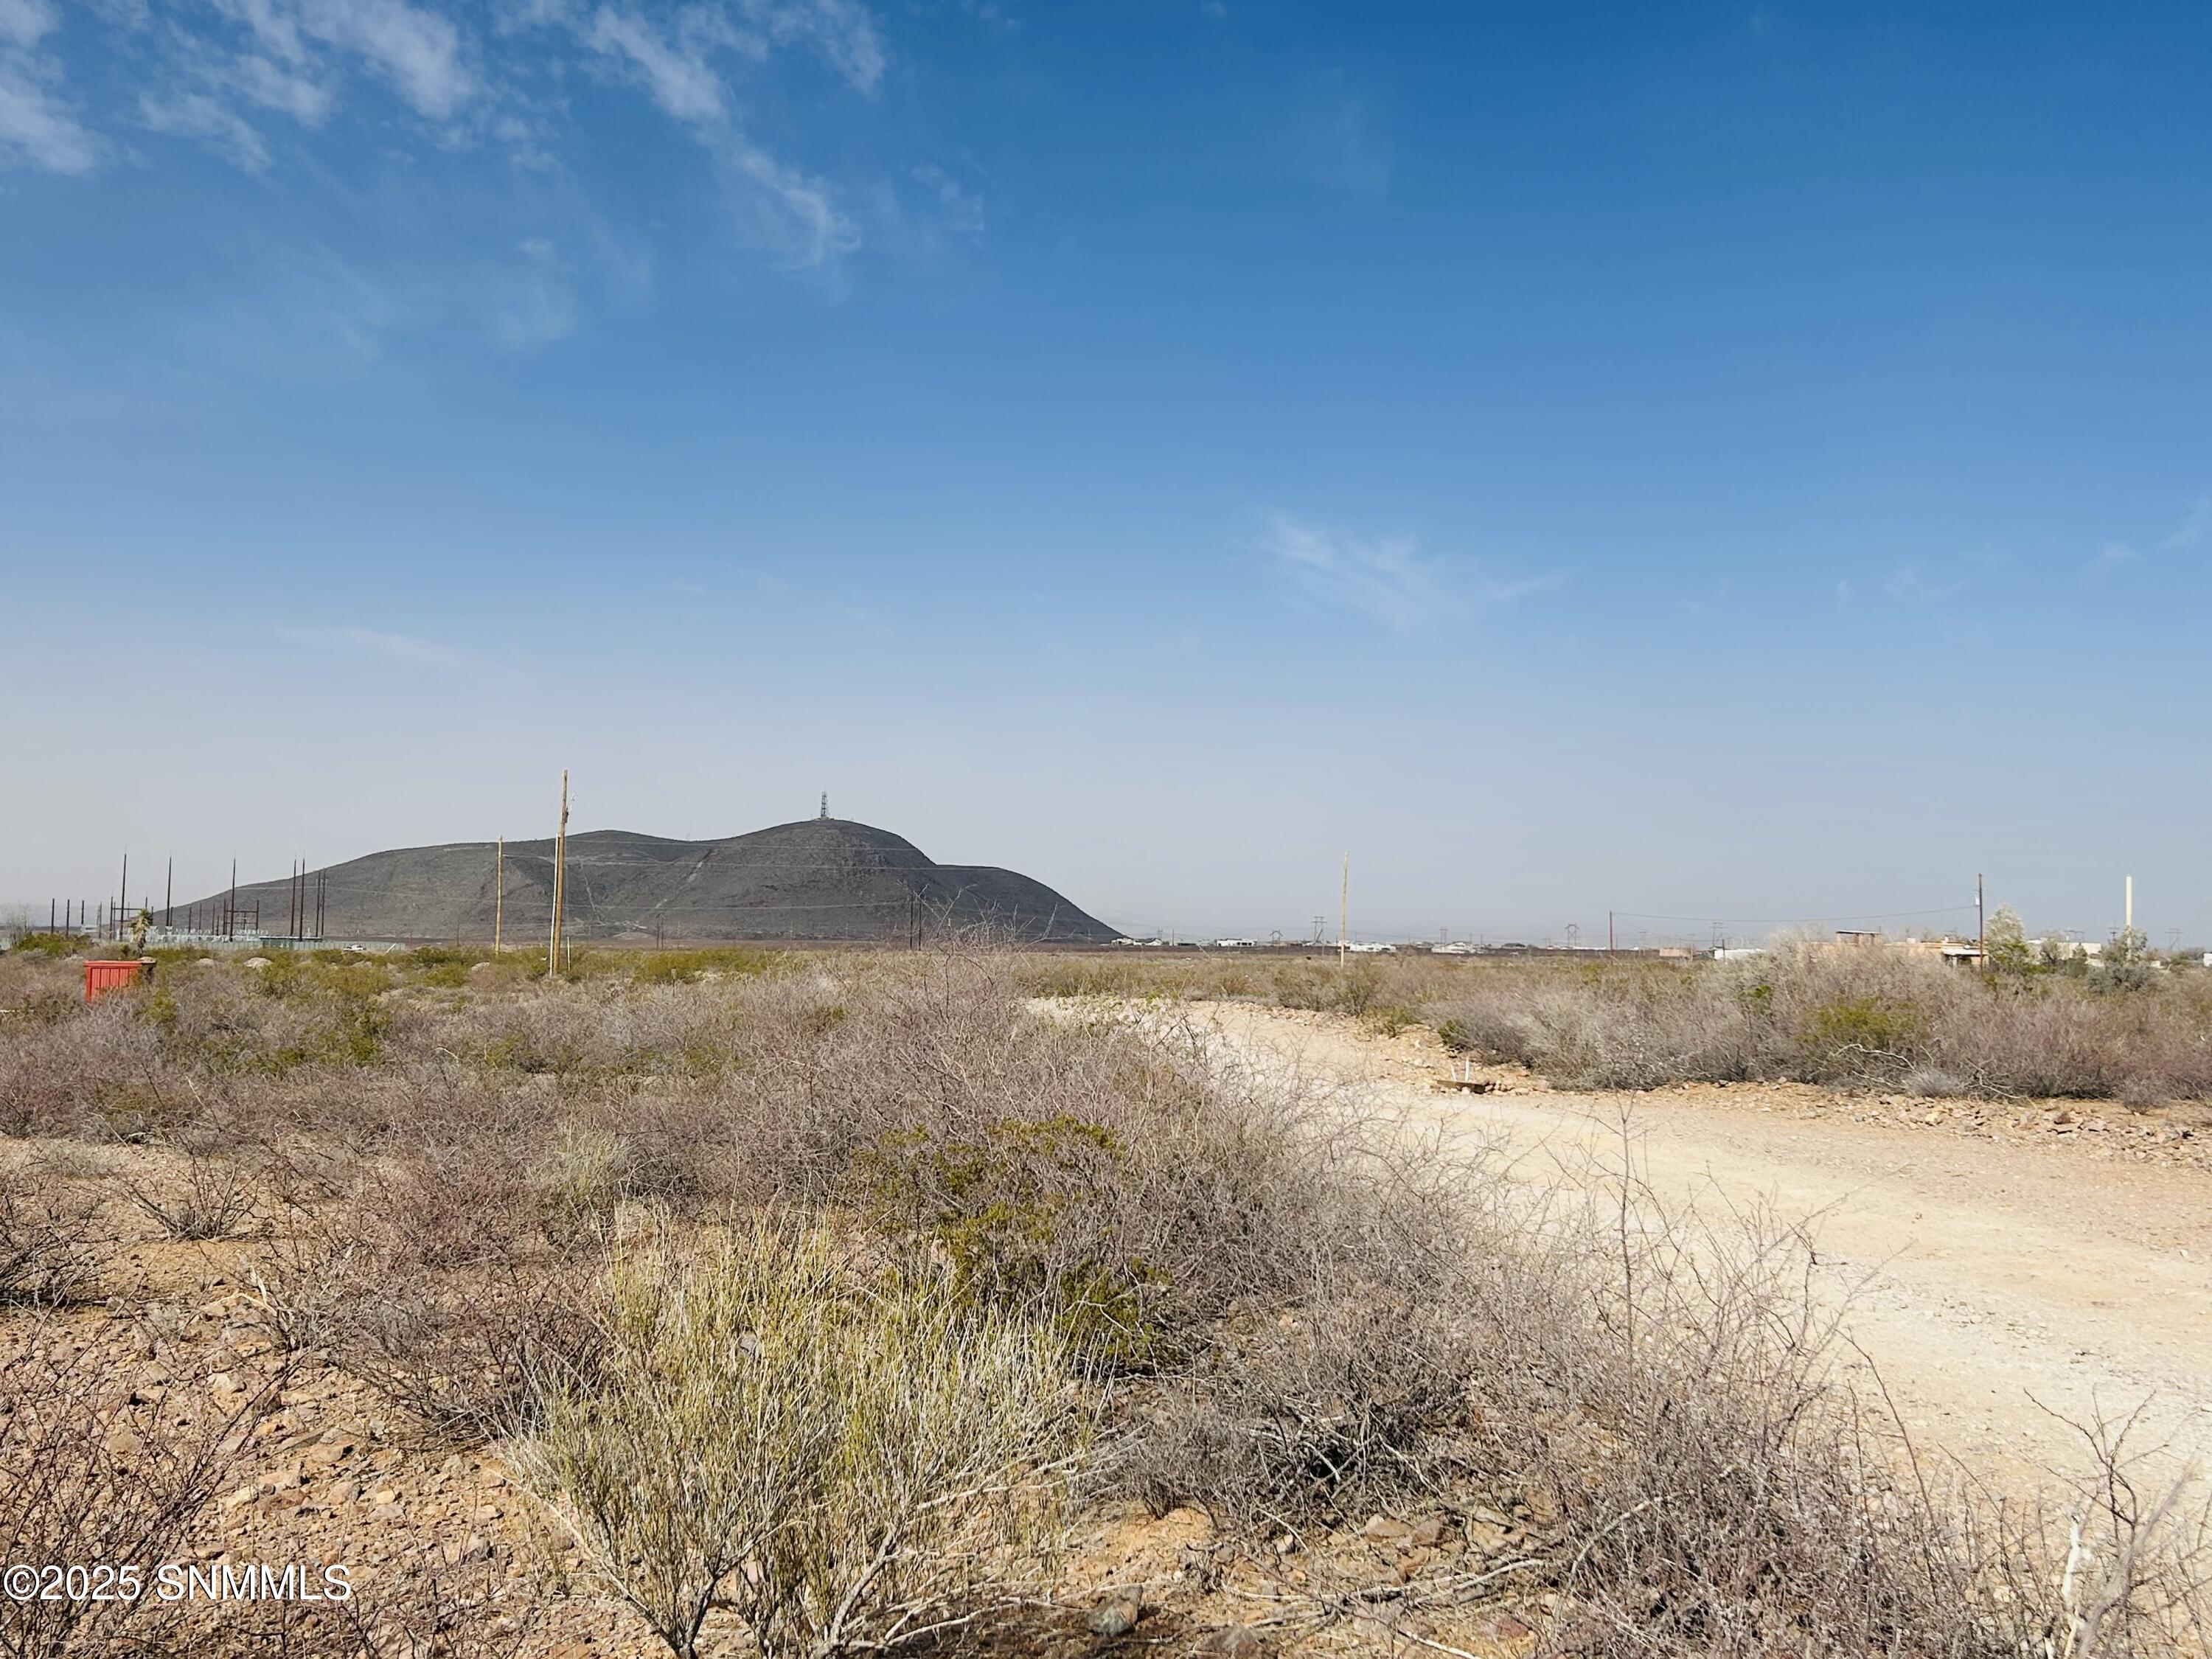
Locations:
{"points": [[1785, 922]]}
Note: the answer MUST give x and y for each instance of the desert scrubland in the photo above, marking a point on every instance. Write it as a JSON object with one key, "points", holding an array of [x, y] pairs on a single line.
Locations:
{"points": [[962, 1299]]}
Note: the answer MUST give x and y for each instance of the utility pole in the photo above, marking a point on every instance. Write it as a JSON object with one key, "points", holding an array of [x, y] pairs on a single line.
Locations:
{"points": [[1344, 912], [168, 897], [560, 878], [123, 902], [1981, 928], [2129, 915], [230, 910], [498, 889], [1608, 936]]}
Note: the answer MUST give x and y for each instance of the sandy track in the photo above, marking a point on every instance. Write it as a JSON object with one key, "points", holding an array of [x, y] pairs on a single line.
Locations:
{"points": [[1999, 1281]]}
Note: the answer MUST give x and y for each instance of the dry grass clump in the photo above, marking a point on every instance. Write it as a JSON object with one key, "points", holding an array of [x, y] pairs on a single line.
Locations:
{"points": [[840, 1458], [211, 1196]]}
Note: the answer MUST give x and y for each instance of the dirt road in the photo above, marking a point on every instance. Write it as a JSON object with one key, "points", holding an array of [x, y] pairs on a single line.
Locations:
{"points": [[2002, 1279]]}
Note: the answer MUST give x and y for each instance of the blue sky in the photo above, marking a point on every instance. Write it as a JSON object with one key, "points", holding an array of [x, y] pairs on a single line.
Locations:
{"points": [[1719, 461]]}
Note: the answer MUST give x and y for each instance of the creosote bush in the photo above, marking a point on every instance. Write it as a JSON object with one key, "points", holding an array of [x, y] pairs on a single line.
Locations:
{"points": [[836, 1455]]}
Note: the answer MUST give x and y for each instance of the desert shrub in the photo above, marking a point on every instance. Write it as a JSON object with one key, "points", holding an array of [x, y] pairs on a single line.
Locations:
{"points": [[433, 1279], [1013, 1213], [1358, 988], [1342, 1401], [53, 947], [92, 1070], [1389, 1020], [580, 1181], [90, 1473], [1856, 1017], [1932, 1083], [1716, 1485], [52, 1246], [684, 967], [200, 1194], [1858, 1037], [840, 1458]]}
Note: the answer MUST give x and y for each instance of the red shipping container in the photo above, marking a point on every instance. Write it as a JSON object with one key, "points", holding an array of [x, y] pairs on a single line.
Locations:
{"points": [[101, 977]]}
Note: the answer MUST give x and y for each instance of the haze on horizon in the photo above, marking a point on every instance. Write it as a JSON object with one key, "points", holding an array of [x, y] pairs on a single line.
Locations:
{"points": [[1715, 460]]}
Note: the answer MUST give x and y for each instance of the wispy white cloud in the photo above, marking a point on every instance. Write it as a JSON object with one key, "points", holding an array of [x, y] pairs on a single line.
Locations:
{"points": [[37, 128], [2195, 529], [962, 207], [676, 73], [401, 647], [788, 211], [1344, 139], [842, 30], [417, 51], [1387, 579], [1911, 584], [1701, 604], [227, 73], [199, 115]]}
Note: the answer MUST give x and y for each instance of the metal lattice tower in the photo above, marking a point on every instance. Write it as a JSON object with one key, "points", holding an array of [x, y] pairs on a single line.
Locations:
{"points": [[825, 803]]}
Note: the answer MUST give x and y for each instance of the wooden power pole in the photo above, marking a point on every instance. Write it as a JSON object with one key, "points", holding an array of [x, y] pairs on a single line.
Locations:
{"points": [[1344, 912], [560, 876], [498, 888]]}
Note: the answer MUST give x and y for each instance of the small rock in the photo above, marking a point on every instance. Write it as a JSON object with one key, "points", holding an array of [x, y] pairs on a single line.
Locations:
{"points": [[339, 1492], [1235, 1642], [384, 1495], [1382, 1529], [1429, 1533], [224, 1383], [1116, 1616], [258, 962], [334, 1446], [387, 1512], [240, 1498]]}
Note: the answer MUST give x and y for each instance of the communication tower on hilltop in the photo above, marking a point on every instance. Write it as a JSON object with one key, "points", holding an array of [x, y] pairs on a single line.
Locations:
{"points": [[825, 804]]}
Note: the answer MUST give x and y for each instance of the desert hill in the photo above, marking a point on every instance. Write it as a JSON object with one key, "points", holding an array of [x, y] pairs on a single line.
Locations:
{"points": [[818, 879]]}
